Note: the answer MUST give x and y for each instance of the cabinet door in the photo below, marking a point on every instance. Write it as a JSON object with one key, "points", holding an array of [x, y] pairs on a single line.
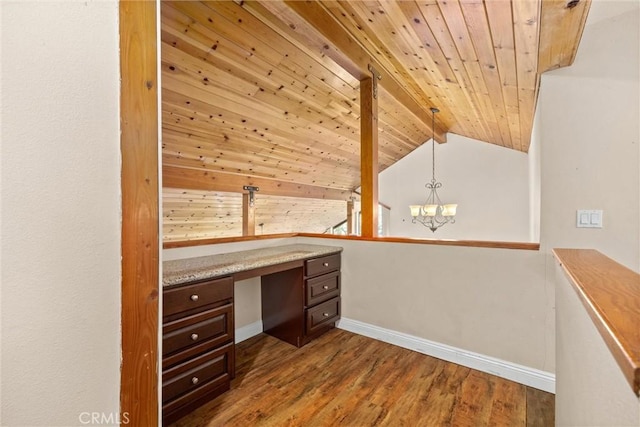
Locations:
{"points": [[283, 305]]}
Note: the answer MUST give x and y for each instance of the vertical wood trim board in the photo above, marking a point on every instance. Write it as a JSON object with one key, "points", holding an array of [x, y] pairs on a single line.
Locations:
{"points": [[248, 216], [350, 227], [140, 212], [369, 157]]}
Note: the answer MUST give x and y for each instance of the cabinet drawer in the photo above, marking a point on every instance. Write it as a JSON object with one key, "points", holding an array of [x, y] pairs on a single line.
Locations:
{"points": [[215, 324], [197, 372], [322, 288], [318, 316], [317, 266], [197, 295], [186, 403]]}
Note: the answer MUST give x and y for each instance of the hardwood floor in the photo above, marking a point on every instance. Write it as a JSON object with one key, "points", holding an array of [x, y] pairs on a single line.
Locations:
{"points": [[344, 379]]}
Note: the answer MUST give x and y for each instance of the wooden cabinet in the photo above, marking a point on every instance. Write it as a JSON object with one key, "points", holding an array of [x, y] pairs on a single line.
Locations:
{"points": [[302, 303], [198, 356]]}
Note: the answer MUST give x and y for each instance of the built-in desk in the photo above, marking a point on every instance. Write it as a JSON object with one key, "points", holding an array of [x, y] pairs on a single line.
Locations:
{"points": [[300, 301]]}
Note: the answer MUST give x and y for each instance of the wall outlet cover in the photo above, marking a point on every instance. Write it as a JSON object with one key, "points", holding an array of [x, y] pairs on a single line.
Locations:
{"points": [[589, 218]]}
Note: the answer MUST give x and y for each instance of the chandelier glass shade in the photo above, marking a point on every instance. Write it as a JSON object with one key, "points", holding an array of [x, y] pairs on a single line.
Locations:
{"points": [[433, 214]]}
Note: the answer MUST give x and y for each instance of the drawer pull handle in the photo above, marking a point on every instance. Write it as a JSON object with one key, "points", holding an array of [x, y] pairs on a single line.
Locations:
{"points": [[194, 337], [325, 314], [325, 287], [326, 264], [195, 380], [194, 297]]}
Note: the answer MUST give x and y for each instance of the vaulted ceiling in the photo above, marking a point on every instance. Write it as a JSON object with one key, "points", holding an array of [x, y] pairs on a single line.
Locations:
{"points": [[270, 89]]}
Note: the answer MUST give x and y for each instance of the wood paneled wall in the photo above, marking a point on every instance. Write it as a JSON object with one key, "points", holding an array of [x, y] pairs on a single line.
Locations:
{"points": [[197, 214]]}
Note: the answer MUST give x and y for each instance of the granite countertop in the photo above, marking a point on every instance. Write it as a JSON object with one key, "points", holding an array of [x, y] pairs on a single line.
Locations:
{"points": [[191, 269]]}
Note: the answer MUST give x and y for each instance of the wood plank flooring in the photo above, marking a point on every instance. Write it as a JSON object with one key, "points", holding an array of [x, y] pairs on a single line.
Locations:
{"points": [[344, 379]]}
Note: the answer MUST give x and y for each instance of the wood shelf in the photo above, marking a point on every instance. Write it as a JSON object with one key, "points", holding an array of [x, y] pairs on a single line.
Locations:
{"points": [[610, 293], [468, 243]]}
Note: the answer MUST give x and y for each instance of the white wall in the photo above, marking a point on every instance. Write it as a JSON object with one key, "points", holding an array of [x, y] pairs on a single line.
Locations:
{"points": [[484, 300], [590, 156], [591, 137], [590, 387], [535, 170], [60, 212], [489, 183]]}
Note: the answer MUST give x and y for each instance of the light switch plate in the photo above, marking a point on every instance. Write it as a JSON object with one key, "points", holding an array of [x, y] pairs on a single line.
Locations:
{"points": [[589, 218]]}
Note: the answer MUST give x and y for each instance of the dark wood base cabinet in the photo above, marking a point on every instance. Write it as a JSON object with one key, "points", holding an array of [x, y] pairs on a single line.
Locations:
{"points": [[198, 351], [302, 303]]}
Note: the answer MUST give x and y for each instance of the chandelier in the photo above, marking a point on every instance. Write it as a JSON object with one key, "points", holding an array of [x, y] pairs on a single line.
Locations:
{"points": [[433, 214]]}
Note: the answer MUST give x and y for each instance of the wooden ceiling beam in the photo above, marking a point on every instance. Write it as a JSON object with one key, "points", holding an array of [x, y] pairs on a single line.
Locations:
{"points": [[347, 49], [313, 17], [561, 29], [198, 179]]}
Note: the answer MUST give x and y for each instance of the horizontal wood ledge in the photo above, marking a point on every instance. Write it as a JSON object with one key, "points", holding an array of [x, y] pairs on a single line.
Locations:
{"points": [[202, 242], [467, 243], [610, 292]]}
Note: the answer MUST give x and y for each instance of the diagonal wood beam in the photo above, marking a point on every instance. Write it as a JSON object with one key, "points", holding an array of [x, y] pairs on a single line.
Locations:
{"points": [[312, 17], [198, 179], [561, 28]]}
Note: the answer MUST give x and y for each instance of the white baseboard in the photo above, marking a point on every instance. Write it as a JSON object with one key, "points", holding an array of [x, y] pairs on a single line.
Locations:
{"points": [[248, 331], [531, 377]]}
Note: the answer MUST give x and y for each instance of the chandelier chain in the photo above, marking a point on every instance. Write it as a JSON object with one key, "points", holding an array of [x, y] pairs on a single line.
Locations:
{"points": [[433, 147]]}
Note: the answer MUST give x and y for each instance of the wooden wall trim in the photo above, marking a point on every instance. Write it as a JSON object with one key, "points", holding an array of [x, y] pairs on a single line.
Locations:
{"points": [[610, 293], [140, 212], [468, 243]]}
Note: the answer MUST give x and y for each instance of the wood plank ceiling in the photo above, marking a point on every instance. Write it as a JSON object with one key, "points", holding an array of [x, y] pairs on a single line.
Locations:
{"points": [[270, 89]]}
